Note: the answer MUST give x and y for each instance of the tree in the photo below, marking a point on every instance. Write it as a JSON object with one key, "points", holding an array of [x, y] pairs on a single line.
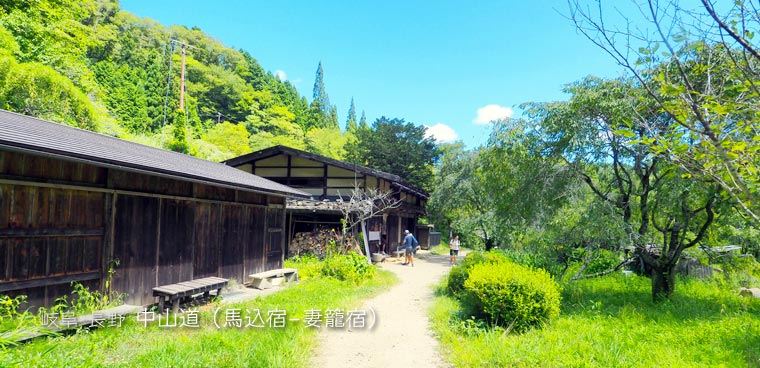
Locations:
{"points": [[522, 185], [351, 124], [363, 121], [600, 134], [38, 90], [320, 95], [320, 112], [230, 139], [701, 69], [179, 133], [461, 201], [361, 206], [397, 147], [327, 142]]}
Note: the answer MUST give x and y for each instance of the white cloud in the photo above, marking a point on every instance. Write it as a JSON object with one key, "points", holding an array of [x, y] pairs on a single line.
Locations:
{"points": [[441, 133], [281, 75], [489, 113]]}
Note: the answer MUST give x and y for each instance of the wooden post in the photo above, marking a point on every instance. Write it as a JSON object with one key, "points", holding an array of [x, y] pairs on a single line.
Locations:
{"points": [[366, 242], [158, 240]]}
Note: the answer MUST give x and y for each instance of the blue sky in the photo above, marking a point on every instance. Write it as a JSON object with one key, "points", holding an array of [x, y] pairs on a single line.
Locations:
{"points": [[448, 65]]}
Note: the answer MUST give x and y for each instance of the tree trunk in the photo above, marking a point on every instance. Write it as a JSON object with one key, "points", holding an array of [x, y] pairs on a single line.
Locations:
{"points": [[663, 282], [489, 244]]}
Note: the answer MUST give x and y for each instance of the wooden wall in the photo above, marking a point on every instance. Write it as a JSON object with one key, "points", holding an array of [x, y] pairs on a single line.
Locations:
{"points": [[316, 178], [63, 222], [181, 240]]}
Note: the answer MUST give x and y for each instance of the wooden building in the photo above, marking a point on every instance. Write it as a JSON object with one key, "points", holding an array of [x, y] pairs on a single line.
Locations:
{"points": [[327, 180], [73, 202]]}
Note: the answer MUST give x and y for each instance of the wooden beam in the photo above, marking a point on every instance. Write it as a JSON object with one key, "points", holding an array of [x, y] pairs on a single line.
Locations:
{"points": [[110, 238], [158, 239], [124, 192], [324, 188], [48, 281], [50, 233]]}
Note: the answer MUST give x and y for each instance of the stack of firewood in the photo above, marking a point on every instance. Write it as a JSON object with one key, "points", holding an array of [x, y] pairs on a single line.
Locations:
{"points": [[319, 241]]}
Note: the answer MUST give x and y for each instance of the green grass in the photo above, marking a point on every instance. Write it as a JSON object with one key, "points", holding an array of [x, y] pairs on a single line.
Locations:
{"points": [[612, 322], [134, 345]]}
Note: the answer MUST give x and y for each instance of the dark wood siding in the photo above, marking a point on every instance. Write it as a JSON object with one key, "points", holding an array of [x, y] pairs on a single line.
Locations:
{"points": [[175, 257], [46, 169], [48, 236], [149, 184], [136, 231], [274, 246], [232, 244], [207, 239], [254, 261], [62, 221]]}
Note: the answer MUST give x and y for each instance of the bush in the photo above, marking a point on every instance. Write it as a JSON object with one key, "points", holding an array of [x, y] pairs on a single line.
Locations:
{"points": [[604, 260], [461, 272], [348, 267], [308, 266], [510, 294]]}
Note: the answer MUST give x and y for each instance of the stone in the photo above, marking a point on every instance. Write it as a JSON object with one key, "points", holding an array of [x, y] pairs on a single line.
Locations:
{"points": [[751, 292]]}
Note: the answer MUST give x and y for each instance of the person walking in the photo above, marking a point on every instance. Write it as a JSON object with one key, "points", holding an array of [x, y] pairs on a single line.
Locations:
{"points": [[454, 250], [410, 243]]}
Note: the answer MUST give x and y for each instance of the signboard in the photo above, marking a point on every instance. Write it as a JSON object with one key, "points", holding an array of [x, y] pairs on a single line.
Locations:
{"points": [[374, 235]]}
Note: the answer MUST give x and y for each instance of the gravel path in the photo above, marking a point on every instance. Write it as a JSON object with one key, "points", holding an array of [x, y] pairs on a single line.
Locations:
{"points": [[401, 335]]}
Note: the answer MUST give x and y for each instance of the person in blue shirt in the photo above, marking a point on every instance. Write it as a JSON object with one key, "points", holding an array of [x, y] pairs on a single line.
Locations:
{"points": [[410, 243]]}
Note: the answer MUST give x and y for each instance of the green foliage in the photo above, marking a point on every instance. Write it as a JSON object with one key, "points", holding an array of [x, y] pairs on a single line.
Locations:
{"points": [[320, 107], [308, 266], [231, 139], [327, 142], [38, 90], [124, 94], [351, 123], [603, 260], [512, 295], [179, 133], [460, 200], [397, 147], [132, 344], [62, 60], [85, 300], [461, 272], [8, 45], [352, 267], [13, 320], [608, 322]]}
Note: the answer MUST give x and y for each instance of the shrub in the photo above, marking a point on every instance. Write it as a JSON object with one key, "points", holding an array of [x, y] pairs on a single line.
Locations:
{"points": [[308, 266], [348, 267], [604, 260], [461, 272], [510, 294]]}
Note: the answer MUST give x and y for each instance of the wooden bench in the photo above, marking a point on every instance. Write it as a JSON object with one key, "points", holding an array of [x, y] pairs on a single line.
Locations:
{"points": [[262, 280], [175, 292]]}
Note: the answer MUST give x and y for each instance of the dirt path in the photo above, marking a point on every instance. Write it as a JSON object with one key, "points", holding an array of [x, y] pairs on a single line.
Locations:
{"points": [[401, 335]]}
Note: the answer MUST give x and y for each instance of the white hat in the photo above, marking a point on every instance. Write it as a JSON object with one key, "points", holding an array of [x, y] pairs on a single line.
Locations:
{"points": [[406, 231]]}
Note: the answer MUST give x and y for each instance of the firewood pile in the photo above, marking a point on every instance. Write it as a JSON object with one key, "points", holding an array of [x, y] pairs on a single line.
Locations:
{"points": [[318, 242]]}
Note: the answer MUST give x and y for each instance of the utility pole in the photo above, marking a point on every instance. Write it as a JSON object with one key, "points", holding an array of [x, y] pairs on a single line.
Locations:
{"points": [[182, 81], [183, 46]]}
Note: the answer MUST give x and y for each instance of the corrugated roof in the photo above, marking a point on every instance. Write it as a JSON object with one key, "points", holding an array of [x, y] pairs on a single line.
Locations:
{"points": [[30, 134], [396, 180]]}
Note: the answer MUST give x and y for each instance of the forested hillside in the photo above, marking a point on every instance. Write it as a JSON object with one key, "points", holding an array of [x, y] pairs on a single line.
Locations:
{"points": [[87, 63]]}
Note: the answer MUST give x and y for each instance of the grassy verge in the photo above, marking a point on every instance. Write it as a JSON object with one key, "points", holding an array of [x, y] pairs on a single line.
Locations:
{"points": [[134, 345], [612, 322]]}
